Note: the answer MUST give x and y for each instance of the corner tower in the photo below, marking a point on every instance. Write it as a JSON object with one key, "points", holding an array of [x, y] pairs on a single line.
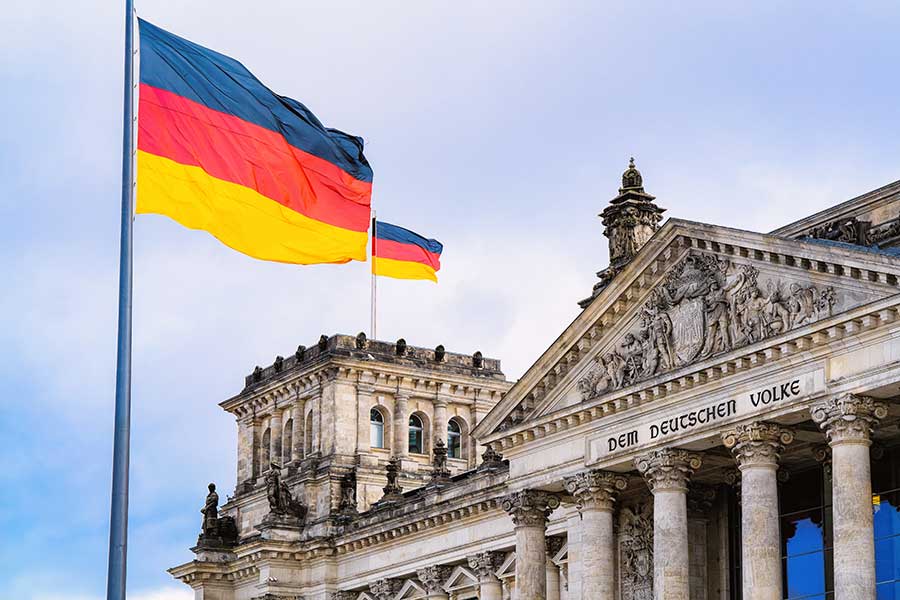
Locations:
{"points": [[629, 221]]}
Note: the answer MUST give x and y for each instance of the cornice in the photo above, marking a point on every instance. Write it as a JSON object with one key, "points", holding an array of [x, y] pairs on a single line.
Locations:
{"points": [[630, 288], [845, 327]]}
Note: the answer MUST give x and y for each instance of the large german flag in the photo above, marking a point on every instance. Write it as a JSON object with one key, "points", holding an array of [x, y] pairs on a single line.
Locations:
{"points": [[219, 151]]}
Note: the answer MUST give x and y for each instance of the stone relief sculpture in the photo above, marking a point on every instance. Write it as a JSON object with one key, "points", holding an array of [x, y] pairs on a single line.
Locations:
{"points": [[636, 551], [704, 307]]}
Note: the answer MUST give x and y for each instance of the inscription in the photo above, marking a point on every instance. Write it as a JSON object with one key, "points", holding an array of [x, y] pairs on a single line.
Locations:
{"points": [[654, 431]]}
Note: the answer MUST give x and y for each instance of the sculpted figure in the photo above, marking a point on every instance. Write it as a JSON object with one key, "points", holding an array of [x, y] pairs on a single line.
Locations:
{"points": [[632, 355], [595, 382], [660, 327], [802, 305], [778, 314], [273, 491], [650, 354], [210, 511], [615, 368], [717, 338], [755, 321]]}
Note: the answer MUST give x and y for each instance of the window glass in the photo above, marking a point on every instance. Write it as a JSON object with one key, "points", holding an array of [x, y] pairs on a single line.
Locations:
{"points": [[376, 429], [454, 439], [416, 437]]}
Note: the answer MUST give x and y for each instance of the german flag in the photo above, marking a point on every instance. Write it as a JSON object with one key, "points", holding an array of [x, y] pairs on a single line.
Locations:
{"points": [[404, 254], [220, 152]]}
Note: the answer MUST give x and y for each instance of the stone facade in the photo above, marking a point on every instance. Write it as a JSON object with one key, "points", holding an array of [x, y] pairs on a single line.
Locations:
{"points": [[644, 456]]}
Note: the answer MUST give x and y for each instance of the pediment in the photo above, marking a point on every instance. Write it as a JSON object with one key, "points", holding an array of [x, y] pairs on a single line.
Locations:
{"points": [[411, 590], [693, 293], [461, 578]]}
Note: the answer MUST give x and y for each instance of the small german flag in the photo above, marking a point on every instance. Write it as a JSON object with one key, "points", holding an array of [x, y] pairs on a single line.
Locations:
{"points": [[404, 254]]}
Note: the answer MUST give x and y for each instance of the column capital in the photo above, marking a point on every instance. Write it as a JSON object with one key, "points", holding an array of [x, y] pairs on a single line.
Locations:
{"points": [[595, 489], [485, 564], [757, 444], [848, 418], [530, 508], [668, 468], [433, 577], [385, 589]]}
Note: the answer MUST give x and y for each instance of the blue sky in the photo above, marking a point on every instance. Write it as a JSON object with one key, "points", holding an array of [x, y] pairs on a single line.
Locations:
{"points": [[499, 128]]}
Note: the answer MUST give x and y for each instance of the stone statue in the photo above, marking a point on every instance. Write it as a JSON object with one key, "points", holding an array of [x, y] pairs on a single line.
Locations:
{"points": [[360, 341], [401, 347], [478, 360], [392, 491], [439, 471], [439, 353], [348, 492], [323, 343], [210, 511], [281, 502]]}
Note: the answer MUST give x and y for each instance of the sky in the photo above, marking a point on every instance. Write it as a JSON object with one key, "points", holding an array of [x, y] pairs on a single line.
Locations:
{"points": [[499, 128]]}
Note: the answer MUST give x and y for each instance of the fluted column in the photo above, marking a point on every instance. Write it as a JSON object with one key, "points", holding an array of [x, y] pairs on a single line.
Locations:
{"points": [[275, 437], [485, 565], [433, 579], [401, 425], [529, 510], [440, 419], [595, 495], [667, 472], [848, 421], [756, 448]]}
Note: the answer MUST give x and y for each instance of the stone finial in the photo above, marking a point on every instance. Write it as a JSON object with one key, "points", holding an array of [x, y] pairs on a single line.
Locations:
{"points": [[392, 491], [433, 577], [439, 353], [300, 354], [439, 471], [490, 459], [323, 343], [385, 589], [278, 364], [595, 490], [400, 347], [478, 360], [848, 418], [530, 508], [757, 444], [668, 468], [485, 564], [257, 374]]}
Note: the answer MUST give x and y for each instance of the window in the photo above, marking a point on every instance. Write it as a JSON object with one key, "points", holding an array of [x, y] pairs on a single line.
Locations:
{"points": [[416, 435], [288, 445], [308, 435], [454, 439], [376, 428], [886, 506], [266, 449]]}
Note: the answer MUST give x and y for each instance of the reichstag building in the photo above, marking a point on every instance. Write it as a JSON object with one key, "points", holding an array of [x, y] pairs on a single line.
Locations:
{"points": [[718, 423]]}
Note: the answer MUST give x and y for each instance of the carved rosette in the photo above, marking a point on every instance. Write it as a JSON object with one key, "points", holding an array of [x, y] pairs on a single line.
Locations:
{"points": [[848, 418], [595, 490], [668, 469], [485, 565], [757, 444], [384, 589], [433, 578], [530, 508]]}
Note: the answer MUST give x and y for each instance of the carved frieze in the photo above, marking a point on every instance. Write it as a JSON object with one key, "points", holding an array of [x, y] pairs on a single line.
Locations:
{"points": [[636, 551], [704, 307]]}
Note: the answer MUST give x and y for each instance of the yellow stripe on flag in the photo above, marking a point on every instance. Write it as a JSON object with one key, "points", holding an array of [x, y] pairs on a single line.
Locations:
{"points": [[403, 269], [240, 217]]}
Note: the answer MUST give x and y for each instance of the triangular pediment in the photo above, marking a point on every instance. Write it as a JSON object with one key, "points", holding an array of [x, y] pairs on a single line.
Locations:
{"points": [[411, 590], [461, 578], [693, 292]]}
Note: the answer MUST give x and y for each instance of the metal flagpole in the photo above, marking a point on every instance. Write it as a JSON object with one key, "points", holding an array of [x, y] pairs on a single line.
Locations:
{"points": [[118, 518], [374, 280]]}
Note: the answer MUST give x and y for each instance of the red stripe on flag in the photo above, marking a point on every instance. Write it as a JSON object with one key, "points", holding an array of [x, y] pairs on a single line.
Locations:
{"points": [[234, 150], [407, 252]]}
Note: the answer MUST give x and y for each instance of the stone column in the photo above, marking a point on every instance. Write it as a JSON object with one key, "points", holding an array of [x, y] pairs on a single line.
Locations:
{"points": [[756, 448], [529, 510], [275, 437], [554, 544], [595, 496], [667, 472], [401, 425], [299, 422], [847, 421], [245, 452], [573, 565], [485, 565], [440, 419], [433, 579]]}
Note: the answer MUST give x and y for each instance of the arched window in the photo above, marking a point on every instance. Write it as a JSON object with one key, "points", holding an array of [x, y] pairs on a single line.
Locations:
{"points": [[288, 442], [376, 428], [454, 439], [416, 435]]}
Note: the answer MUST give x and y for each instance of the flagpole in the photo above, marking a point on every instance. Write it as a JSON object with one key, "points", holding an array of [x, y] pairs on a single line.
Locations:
{"points": [[374, 284], [118, 518]]}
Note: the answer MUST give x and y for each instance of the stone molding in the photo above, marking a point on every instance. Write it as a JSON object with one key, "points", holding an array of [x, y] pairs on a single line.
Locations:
{"points": [[433, 577], [848, 418], [595, 489], [668, 469], [530, 508], [485, 565], [757, 444], [871, 317]]}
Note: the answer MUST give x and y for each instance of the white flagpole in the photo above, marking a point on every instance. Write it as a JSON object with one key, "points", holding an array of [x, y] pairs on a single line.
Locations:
{"points": [[372, 330]]}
